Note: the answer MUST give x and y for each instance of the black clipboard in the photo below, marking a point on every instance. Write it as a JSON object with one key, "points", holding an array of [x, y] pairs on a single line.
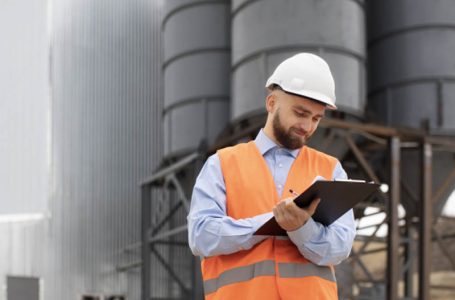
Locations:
{"points": [[337, 197]]}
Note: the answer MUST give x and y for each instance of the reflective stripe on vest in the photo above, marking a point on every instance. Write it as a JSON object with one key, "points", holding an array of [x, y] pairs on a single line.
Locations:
{"points": [[292, 270], [245, 273], [267, 268]]}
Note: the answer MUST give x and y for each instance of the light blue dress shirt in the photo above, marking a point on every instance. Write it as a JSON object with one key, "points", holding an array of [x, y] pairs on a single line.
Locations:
{"points": [[211, 232]]}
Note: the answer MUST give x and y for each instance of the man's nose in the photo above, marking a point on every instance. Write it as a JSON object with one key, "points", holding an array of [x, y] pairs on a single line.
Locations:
{"points": [[305, 125]]}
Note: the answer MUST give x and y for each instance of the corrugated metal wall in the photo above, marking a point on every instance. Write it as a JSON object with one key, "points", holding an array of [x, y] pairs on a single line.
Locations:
{"points": [[106, 137]]}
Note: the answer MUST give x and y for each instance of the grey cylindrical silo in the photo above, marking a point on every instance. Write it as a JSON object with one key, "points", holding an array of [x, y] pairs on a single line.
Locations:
{"points": [[196, 67], [265, 32], [412, 77], [411, 63]]}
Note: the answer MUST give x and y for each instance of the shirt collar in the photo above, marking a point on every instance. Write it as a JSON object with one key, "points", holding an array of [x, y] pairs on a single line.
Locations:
{"points": [[265, 144]]}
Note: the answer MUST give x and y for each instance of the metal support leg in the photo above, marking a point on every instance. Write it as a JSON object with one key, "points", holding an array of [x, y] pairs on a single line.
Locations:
{"points": [[426, 214], [145, 247], [410, 255], [393, 235]]}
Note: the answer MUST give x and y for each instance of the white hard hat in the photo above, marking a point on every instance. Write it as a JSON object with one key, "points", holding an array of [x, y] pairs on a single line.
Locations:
{"points": [[307, 75]]}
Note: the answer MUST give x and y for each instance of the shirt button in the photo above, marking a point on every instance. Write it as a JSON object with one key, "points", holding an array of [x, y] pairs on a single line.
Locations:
{"points": [[280, 186], [280, 165]]}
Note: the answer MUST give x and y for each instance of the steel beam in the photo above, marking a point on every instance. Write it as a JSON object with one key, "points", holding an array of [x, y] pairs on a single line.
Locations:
{"points": [[165, 219], [443, 190], [425, 225], [181, 194], [171, 232], [409, 254], [362, 266], [161, 174], [393, 234], [444, 248], [133, 265], [361, 159], [146, 222], [185, 290]]}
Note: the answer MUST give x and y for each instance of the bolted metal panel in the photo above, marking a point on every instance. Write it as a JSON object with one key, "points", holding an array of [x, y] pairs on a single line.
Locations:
{"points": [[264, 32], [410, 50], [196, 38]]}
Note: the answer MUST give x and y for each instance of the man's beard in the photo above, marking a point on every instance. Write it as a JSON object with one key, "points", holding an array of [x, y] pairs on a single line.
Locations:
{"points": [[286, 138]]}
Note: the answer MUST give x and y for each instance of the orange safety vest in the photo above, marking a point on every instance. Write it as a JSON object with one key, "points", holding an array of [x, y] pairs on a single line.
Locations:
{"points": [[274, 268]]}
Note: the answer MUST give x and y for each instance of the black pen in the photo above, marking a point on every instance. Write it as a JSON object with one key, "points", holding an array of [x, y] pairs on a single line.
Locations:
{"points": [[293, 193]]}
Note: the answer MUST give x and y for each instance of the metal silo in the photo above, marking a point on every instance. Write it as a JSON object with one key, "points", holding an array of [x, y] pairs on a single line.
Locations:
{"points": [[266, 32], [412, 75], [196, 37], [412, 84], [411, 64]]}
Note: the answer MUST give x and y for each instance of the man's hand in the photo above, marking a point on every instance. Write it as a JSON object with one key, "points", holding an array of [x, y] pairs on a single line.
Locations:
{"points": [[290, 217]]}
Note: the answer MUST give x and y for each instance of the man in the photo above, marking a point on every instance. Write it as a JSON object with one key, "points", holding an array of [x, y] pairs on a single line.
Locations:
{"points": [[241, 187]]}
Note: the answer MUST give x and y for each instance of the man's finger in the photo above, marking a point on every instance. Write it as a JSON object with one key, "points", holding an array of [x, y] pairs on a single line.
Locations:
{"points": [[278, 210], [287, 200], [293, 209], [312, 207]]}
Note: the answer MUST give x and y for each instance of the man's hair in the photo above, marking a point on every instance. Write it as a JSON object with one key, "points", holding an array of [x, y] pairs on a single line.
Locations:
{"points": [[275, 87]]}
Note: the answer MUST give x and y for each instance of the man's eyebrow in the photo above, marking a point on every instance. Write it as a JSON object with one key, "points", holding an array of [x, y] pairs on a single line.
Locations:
{"points": [[305, 110]]}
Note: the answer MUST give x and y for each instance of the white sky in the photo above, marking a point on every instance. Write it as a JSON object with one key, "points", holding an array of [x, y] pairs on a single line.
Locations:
{"points": [[449, 208]]}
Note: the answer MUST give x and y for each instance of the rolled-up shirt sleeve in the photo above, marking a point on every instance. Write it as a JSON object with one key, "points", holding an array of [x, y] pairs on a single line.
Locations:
{"points": [[210, 231], [327, 245]]}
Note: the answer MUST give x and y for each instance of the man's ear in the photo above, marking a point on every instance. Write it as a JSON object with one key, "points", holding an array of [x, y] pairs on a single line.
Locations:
{"points": [[270, 102]]}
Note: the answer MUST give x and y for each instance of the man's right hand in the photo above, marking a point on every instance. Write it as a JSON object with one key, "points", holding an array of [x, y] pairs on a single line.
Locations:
{"points": [[290, 217]]}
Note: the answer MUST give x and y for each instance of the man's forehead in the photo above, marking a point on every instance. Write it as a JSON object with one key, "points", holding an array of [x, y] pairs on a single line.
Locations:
{"points": [[300, 98], [308, 104]]}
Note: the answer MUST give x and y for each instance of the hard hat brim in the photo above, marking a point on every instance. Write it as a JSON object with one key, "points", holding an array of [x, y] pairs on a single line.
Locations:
{"points": [[327, 105], [315, 96]]}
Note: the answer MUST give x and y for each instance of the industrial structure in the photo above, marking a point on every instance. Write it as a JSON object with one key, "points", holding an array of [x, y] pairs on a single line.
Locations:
{"points": [[142, 92], [411, 147]]}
